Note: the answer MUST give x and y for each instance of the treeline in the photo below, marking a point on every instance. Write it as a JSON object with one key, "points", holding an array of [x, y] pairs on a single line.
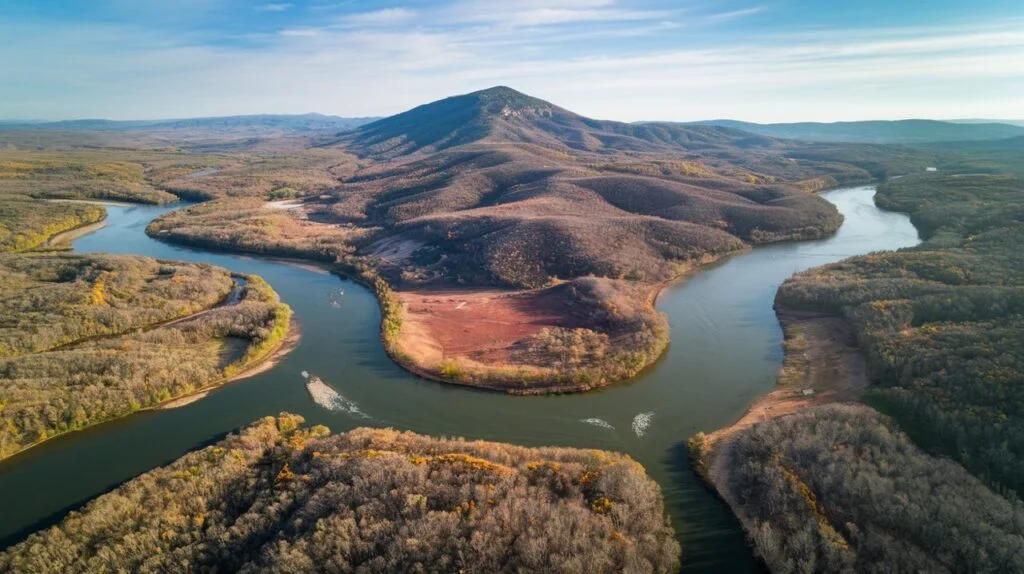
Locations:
{"points": [[95, 338], [624, 334], [941, 325], [26, 224], [840, 489], [110, 175], [281, 497]]}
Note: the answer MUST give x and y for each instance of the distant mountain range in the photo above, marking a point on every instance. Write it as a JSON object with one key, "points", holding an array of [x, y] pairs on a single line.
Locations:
{"points": [[303, 123], [496, 113], [984, 121], [882, 132]]}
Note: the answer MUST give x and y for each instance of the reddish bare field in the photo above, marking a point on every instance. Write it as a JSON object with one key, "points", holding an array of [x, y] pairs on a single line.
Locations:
{"points": [[480, 324]]}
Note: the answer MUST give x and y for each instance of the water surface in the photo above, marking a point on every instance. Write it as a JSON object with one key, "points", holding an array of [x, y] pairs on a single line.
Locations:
{"points": [[725, 352]]}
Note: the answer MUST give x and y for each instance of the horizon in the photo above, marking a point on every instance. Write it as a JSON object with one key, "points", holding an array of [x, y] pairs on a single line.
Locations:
{"points": [[645, 60], [44, 121]]}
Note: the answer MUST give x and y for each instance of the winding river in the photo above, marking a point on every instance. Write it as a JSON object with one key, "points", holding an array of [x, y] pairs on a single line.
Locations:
{"points": [[725, 352]]}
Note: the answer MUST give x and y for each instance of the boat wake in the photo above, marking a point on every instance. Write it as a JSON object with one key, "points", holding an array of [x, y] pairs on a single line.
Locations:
{"points": [[598, 423], [641, 422], [331, 399], [335, 298]]}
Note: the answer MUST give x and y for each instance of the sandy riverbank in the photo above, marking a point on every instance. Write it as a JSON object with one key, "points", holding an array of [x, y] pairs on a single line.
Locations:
{"points": [[822, 364], [72, 234], [276, 356]]}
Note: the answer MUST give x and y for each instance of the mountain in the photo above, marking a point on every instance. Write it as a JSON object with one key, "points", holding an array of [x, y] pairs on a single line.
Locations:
{"points": [[502, 188], [885, 132], [259, 123], [503, 115], [560, 227]]}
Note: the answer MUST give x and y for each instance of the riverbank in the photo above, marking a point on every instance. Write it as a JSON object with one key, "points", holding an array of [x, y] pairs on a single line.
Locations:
{"points": [[141, 365], [527, 342], [822, 363], [72, 234], [275, 356]]}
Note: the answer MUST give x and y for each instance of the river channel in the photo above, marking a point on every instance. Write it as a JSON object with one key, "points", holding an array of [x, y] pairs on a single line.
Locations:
{"points": [[725, 352]]}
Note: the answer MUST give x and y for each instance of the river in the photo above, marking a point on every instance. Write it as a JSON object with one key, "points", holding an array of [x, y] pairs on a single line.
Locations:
{"points": [[725, 352]]}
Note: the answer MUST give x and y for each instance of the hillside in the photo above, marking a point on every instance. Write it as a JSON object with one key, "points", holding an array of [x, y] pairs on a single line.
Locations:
{"points": [[278, 497], [818, 492], [496, 198], [886, 132]]}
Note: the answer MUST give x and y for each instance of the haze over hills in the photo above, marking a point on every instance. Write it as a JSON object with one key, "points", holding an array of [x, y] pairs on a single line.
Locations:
{"points": [[254, 123], [884, 132], [987, 121]]}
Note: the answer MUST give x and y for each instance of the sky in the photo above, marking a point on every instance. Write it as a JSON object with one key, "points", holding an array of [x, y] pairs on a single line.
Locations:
{"points": [[629, 60]]}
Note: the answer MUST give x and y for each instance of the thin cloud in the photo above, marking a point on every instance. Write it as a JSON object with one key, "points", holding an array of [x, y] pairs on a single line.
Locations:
{"points": [[275, 7], [388, 16], [622, 64], [734, 14]]}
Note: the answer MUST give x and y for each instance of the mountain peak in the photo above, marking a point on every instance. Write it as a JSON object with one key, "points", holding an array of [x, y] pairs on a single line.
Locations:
{"points": [[508, 103], [453, 121], [501, 115]]}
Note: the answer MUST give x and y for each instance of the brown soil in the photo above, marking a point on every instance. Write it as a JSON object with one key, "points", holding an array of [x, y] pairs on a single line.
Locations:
{"points": [[821, 356], [484, 325]]}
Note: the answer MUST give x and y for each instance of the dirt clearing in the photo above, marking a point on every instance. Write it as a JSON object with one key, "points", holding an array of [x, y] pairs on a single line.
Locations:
{"points": [[480, 325]]}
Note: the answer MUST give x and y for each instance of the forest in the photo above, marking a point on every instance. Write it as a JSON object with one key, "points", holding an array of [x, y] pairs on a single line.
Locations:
{"points": [[77, 174], [931, 478], [86, 339], [26, 224], [941, 324], [838, 488], [280, 496]]}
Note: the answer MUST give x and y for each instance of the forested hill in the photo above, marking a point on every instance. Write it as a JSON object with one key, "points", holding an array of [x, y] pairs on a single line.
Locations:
{"points": [[885, 132]]}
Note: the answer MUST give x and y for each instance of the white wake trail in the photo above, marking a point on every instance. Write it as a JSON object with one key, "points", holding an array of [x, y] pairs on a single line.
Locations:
{"points": [[598, 423], [331, 399], [641, 422]]}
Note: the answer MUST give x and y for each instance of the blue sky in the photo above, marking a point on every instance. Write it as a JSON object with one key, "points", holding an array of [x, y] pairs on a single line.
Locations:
{"points": [[772, 60]]}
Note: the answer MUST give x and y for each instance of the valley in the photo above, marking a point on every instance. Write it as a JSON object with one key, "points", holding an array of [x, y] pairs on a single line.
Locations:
{"points": [[502, 192], [498, 242]]}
